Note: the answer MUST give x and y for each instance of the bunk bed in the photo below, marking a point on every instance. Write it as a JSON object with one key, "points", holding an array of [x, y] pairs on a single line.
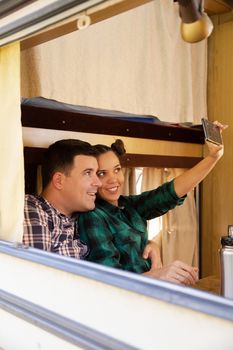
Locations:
{"points": [[47, 114]]}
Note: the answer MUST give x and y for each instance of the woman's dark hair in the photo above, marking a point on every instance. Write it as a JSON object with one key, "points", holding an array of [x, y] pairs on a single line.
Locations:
{"points": [[117, 147], [60, 157]]}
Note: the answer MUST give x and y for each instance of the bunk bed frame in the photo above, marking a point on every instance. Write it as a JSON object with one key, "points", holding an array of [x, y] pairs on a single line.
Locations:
{"points": [[34, 116]]}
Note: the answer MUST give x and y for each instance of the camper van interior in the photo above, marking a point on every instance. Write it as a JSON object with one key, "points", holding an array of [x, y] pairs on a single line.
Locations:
{"points": [[96, 70]]}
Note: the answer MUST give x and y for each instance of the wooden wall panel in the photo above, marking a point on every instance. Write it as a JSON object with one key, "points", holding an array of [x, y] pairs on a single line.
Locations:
{"points": [[213, 7], [217, 202]]}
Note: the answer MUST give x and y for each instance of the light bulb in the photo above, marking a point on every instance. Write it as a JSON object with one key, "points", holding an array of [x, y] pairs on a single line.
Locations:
{"points": [[195, 25], [198, 30]]}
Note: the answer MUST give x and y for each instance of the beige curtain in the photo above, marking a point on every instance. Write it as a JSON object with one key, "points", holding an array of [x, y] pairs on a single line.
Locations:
{"points": [[135, 62], [178, 237], [11, 146], [130, 181]]}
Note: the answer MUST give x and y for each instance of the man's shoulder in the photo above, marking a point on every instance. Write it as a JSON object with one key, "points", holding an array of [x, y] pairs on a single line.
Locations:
{"points": [[31, 199], [36, 202]]}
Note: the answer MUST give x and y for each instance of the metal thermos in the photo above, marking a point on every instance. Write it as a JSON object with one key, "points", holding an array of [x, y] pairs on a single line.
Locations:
{"points": [[226, 261]]}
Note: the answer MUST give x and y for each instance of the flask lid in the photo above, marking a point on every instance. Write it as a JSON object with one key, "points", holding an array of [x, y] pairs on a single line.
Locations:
{"points": [[228, 240]]}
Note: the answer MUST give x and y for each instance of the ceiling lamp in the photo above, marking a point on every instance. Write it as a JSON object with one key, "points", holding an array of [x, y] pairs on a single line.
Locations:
{"points": [[195, 23]]}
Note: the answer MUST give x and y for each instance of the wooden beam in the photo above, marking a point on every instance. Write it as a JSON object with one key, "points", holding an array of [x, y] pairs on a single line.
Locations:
{"points": [[214, 7], [158, 161], [47, 118], [34, 156]]}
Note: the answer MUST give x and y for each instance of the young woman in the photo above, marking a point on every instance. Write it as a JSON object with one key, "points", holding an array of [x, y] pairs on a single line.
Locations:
{"points": [[116, 230]]}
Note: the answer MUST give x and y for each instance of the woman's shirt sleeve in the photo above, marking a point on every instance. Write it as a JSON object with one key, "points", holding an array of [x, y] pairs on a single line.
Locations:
{"points": [[154, 203]]}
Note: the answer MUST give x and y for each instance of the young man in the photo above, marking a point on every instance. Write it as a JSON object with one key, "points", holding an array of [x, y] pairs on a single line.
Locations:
{"points": [[70, 184]]}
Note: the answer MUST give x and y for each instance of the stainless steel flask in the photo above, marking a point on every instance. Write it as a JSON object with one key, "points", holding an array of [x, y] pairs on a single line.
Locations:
{"points": [[226, 261]]}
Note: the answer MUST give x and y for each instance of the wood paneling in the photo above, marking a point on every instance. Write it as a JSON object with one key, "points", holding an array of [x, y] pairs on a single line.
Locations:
{"points": [[217, 204], [213, 7]]}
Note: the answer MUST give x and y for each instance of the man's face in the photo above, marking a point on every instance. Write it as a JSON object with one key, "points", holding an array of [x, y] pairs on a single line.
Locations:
{"points": [[79, 187]]}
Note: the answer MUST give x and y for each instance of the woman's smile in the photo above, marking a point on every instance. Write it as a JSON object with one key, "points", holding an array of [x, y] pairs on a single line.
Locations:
{"points": [[111, 176]]}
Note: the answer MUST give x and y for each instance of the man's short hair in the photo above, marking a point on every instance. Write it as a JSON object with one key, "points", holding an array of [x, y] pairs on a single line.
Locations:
{"points": [[60, 157]]}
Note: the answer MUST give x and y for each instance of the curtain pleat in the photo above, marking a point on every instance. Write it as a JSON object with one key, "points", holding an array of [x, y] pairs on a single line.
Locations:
{"points": [[130, 181]]}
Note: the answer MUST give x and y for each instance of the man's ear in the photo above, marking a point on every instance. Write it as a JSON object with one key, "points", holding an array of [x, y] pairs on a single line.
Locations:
{"points": [[57, 180]]}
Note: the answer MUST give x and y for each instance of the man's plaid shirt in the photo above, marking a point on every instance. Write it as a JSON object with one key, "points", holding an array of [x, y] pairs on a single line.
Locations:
{"points": [[46, 228]]}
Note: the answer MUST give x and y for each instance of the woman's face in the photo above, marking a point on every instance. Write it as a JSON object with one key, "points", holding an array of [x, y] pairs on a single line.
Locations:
{"points": [[111, 176]]}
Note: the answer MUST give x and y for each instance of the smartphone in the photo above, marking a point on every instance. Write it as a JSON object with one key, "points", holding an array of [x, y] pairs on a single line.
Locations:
{"points": [[212, 132]]}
